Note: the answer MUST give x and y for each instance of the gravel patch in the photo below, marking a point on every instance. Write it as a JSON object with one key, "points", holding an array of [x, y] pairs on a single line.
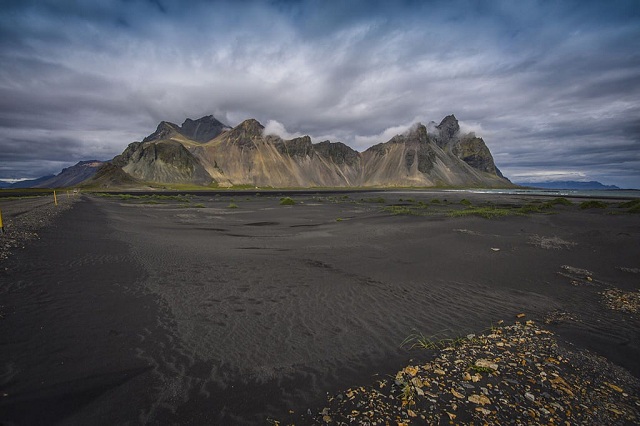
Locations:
{"points": [[516, 374], [23, 227]]}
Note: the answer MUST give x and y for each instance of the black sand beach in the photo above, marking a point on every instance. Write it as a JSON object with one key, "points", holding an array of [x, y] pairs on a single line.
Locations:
{"points": [[185, 310]]}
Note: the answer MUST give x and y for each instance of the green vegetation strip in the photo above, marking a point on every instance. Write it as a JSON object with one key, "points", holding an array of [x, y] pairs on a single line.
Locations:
{"points": [[593, 204], [485, 211], [147, 199]]}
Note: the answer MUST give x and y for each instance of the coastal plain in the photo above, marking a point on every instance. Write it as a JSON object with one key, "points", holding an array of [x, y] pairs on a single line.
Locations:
{"points": [[238, 307]]}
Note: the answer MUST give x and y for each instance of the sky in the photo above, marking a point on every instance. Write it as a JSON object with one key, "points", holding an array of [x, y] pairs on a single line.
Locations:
{"points": [[553, 87]]}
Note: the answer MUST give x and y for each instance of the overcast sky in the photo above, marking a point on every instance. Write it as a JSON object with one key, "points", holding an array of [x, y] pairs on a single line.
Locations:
{"points": [[553, 87]]}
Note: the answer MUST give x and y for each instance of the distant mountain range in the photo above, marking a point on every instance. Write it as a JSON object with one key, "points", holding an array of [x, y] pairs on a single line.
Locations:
{"points": [[568, 184], [208, 153]]}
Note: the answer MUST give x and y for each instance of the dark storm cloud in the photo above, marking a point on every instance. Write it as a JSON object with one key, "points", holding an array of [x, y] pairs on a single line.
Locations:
{"points": [[553, 87]]}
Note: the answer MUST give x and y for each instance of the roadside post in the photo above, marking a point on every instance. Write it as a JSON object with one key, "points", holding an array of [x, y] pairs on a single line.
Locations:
{"points": [[55, 199], [1, 224]]}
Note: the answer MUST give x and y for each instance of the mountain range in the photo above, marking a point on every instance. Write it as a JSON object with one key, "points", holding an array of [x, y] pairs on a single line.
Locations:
{"points": [[205, 152], [568, 184]]}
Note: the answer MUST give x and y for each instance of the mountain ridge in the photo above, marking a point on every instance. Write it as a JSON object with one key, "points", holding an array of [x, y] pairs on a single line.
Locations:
{"points": [[245, 155], [569, 184]]}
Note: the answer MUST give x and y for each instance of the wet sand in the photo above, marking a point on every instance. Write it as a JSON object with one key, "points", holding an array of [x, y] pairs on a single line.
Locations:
{"points": [[186, 311]]}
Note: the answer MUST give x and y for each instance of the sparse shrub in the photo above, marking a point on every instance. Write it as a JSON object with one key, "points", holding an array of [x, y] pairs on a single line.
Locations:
{"points": [[629, 204], [593, 204], [560, 200], [198, 206], [339, 219], [485, 212], [529, 208], [287, 201], [465, 202], [232, 206], [435, 201], [400, 210], [433, 342]]}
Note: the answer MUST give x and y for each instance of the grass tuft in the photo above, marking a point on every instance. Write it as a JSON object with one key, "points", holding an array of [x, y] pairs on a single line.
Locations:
{"points": [[287, 201], [559, 200], [433, 342]]}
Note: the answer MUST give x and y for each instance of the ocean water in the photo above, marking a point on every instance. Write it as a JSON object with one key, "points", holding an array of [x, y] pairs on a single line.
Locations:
{"points": [[595, 193]]}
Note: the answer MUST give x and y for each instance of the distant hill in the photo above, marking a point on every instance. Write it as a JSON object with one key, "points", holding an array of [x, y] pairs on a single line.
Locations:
{"points": [[31, 183], [71, 176], [568, 184]]}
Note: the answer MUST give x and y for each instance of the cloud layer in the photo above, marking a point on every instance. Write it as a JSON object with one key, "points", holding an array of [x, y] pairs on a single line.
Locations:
{"points": [[551, 86]]}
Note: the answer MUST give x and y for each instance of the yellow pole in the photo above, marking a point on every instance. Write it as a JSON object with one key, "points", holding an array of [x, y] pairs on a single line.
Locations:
{"points": [[1, 224], [55, 199]]}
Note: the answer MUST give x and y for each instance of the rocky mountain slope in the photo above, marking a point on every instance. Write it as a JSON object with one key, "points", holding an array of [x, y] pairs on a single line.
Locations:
{"points": [[207, 152]]}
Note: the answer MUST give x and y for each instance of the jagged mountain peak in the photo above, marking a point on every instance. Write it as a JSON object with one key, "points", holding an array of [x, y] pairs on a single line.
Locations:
{"points": [[206, 119], [251, 124], [164, 131], [203, 129], [250, 128], [416, 133], [448, 127]]}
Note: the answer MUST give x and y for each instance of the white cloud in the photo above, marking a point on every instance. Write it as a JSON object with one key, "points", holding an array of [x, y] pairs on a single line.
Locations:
{"points": [[276, 128], [472, 127], [363, 142]]}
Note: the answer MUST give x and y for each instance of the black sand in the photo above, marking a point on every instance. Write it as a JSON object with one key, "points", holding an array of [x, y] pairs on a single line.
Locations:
{"points": [[125, 312]]}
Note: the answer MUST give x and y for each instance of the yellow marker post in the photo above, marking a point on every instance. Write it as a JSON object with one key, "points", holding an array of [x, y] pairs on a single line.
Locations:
{"points": [[55, 199], [1, 224]]}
